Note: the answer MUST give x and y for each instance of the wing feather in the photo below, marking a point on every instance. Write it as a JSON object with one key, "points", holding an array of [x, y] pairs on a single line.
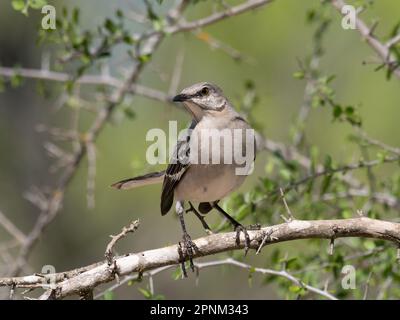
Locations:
{"points": [[176, 170]]}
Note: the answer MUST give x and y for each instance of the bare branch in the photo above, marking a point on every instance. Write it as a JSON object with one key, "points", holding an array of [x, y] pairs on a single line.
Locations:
{"points": [[367, 33], [392, 42], [281, 273], [379, 144], [213, 244], [114, 239], [85, 79], [344, 168], [43, 74], [244, 7]]}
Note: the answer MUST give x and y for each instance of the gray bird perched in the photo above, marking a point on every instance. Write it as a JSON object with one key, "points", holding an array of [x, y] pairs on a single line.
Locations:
{"points": [[216, 130]]}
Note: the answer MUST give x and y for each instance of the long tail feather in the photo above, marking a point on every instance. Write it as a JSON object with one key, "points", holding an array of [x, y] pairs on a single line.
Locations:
{"points": [[147, 179]]}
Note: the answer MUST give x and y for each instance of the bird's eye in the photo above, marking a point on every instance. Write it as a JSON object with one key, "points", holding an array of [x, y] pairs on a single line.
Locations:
{"points": [[205, 91]]}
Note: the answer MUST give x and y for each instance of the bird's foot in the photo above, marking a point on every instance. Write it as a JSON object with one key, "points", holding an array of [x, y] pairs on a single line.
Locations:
{"points": [[240, 228], [187, 249]]}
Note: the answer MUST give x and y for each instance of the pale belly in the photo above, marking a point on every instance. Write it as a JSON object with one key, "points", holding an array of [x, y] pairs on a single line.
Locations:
{"points": [[207, 183]]}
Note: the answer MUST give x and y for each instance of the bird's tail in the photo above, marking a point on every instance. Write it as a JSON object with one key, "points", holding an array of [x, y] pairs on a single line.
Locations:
{"points": [[147, 179]]}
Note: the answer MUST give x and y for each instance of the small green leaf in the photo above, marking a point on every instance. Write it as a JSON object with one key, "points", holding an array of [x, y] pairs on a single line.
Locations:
{"points": [[119, 13], [37, 4], [381, 156], [285, 174], [337, 111], [146, 293], [349, 110], [128, 39], [250, 277], [249, 84], [18, 5], [144, 58], [295, 289], [109, 295], [177, 274], [110, 26], [369, 244], [130, 113], [16, 80], [75, 15], [326, 183], [298, 75], [347, 214], [328, 162]]}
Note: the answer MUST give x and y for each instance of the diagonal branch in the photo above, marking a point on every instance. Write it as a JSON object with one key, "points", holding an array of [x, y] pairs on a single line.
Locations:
{"points": [[11, 228]]}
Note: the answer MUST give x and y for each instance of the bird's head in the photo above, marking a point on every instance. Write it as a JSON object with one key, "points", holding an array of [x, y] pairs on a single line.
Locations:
{"points": [[203, 99]]}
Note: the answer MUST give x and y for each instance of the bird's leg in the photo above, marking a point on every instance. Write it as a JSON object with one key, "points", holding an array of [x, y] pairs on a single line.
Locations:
{"points": [[238, 227], [200, 217], [189, 247]]}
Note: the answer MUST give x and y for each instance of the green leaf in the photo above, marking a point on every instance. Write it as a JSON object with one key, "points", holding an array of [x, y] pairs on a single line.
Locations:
{"points": [[110, 26], [18, 5], [349, 110], [369, 244], [337, 111], [285, 174], [16, 80], [250, 277], [37, 4], [146, 293], [381, 156], [128, 39], [310, 15], [130, 113], [145, 58], [328, 162], [109, 295], [347, 214], [298, 75], [249, 84], [177, 274], [75, 16], [295, 289], [330, 78], [326, 183], [119, 14]]}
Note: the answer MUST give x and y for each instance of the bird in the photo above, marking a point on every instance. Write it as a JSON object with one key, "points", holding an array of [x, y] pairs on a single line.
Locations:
{"points": [[210, 177]]}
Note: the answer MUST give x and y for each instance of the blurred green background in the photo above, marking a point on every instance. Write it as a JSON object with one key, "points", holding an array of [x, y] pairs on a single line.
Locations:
{"points": [[274, 37]]}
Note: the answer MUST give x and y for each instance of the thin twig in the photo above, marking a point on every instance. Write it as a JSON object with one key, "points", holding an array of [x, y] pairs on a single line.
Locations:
{"points": [[114, 239]]}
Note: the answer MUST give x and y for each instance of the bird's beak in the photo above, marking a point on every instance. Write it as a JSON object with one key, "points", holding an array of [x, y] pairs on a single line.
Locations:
{"points": [[180, 98]]}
